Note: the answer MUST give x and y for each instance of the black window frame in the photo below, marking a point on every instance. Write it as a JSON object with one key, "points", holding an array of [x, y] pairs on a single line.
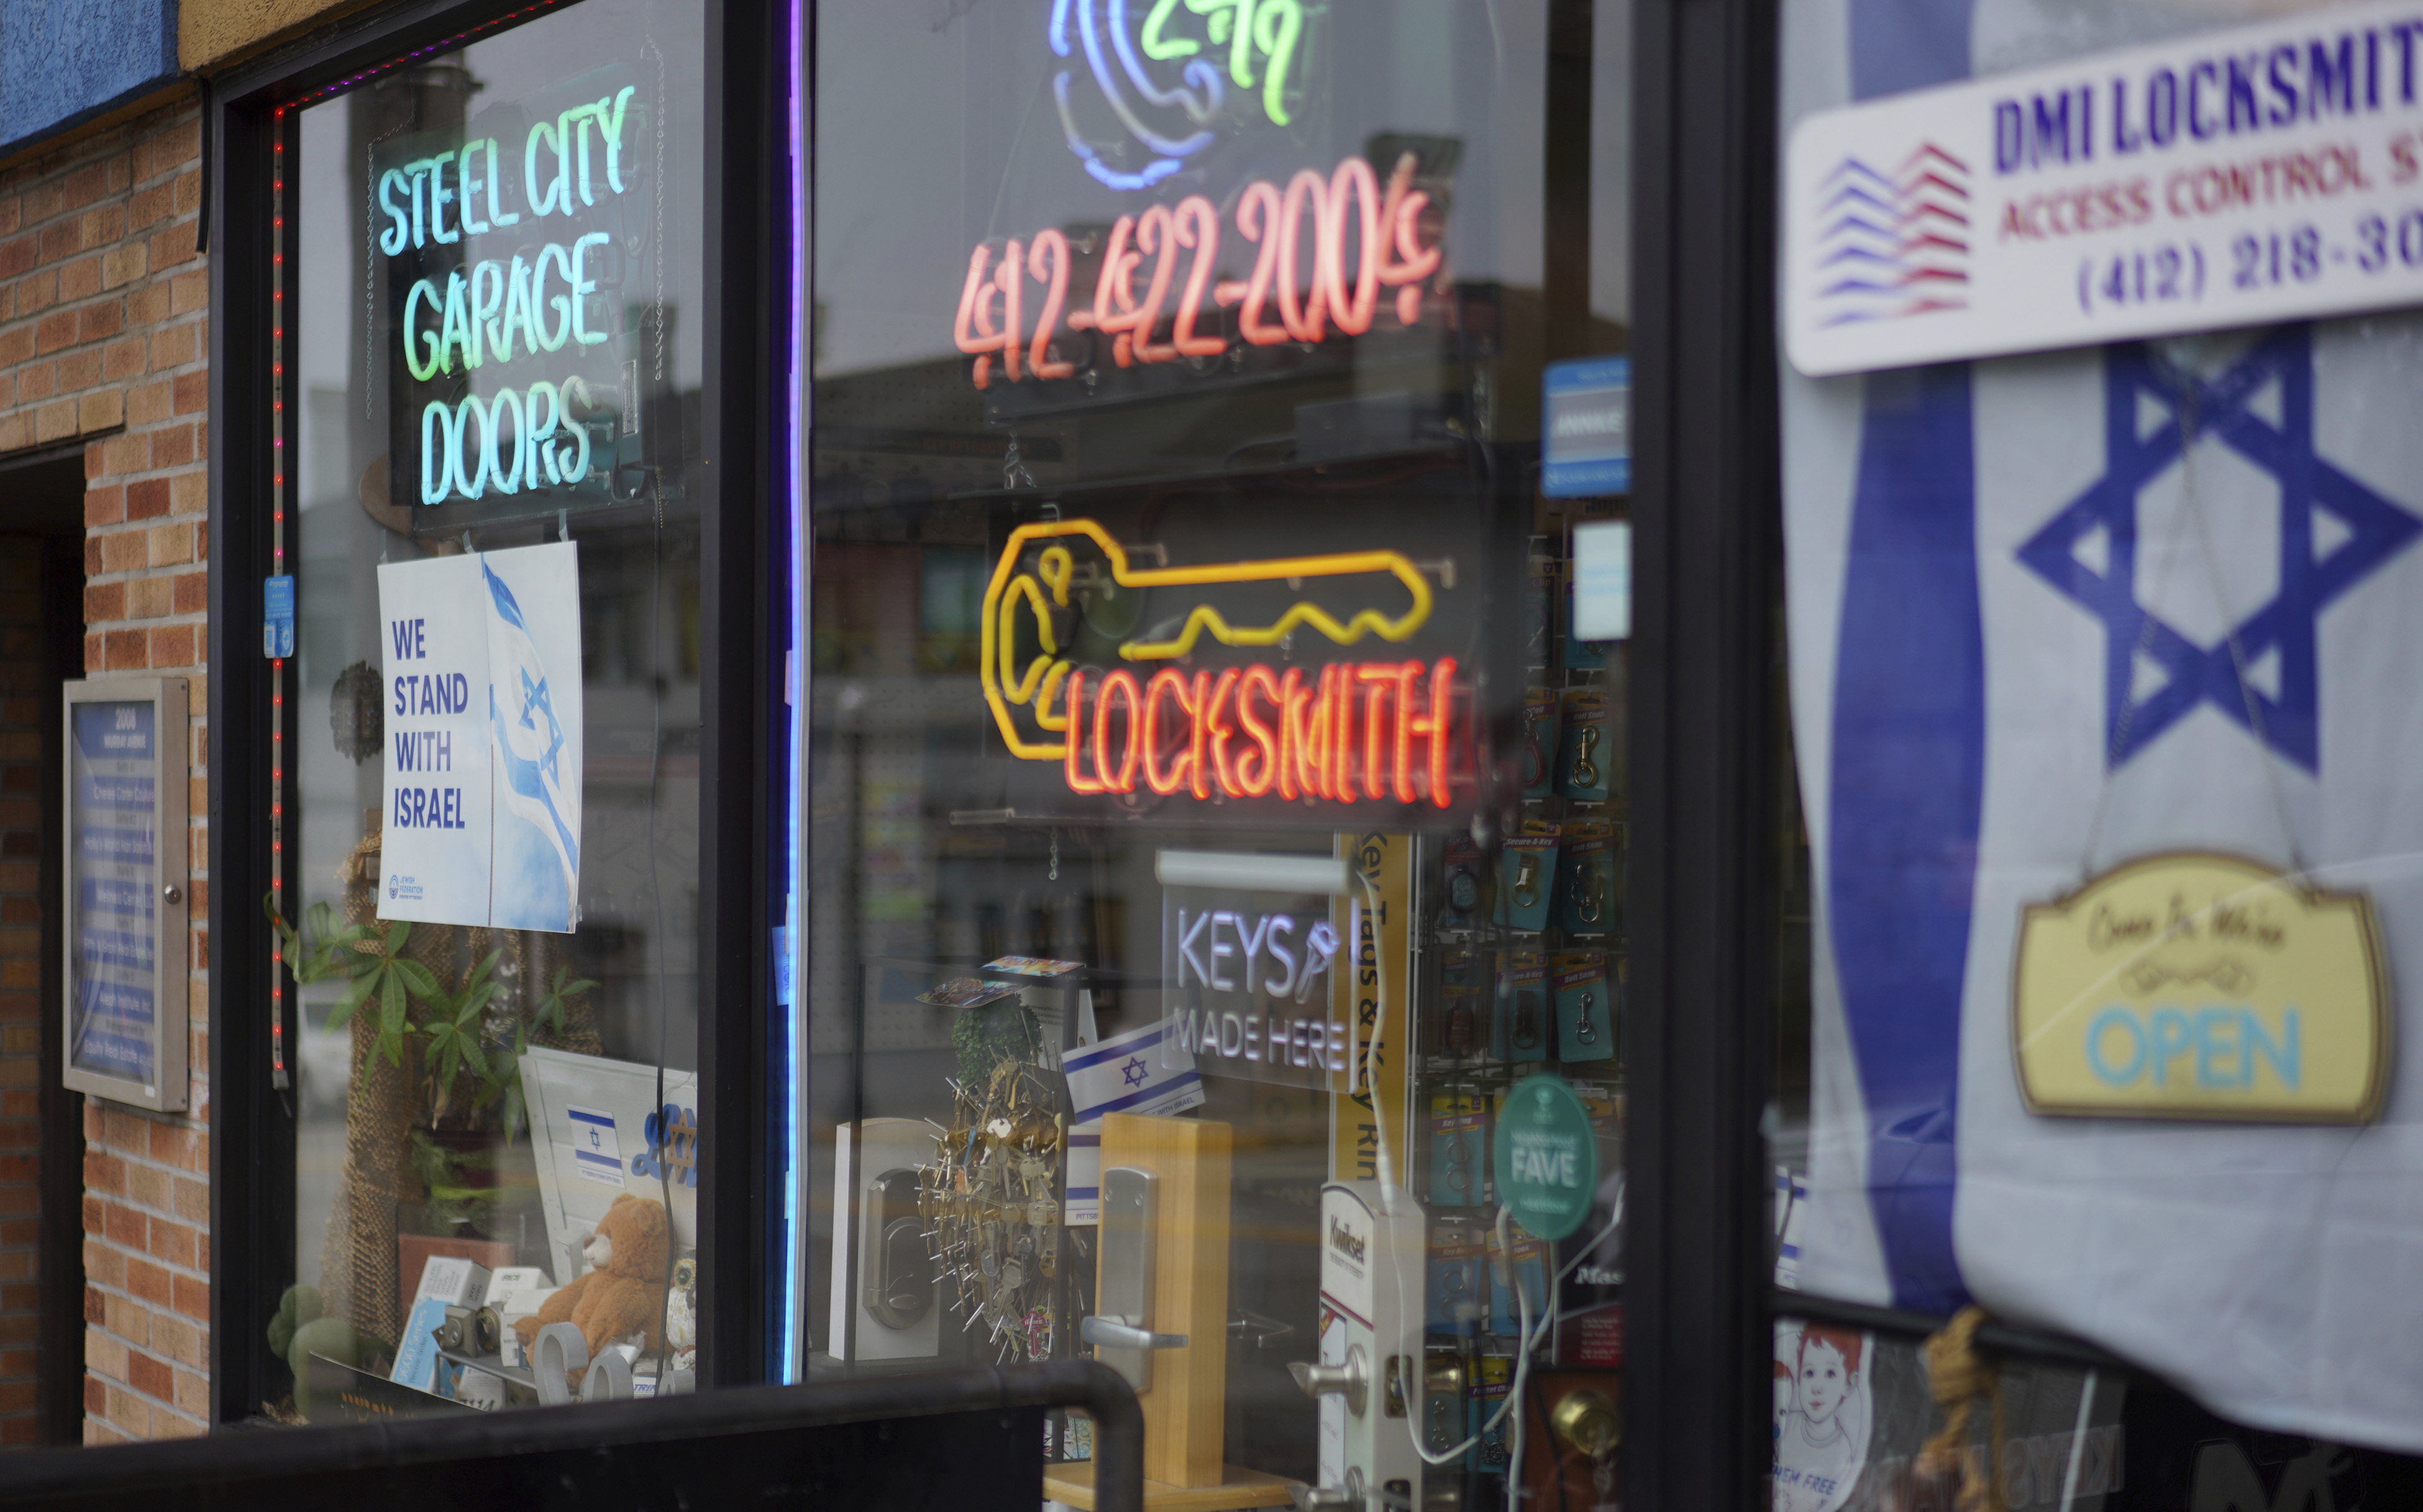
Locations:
{"points": [[1706, 731], [744, 557]]}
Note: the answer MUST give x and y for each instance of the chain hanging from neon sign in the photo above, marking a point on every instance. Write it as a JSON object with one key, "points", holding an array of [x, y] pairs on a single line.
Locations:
{"points": [[1377, 730], [1364, 241]]}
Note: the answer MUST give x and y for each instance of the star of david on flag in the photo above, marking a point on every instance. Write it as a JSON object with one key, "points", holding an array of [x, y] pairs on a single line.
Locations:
{"points": [[2313, 571], [1130, 1073]]}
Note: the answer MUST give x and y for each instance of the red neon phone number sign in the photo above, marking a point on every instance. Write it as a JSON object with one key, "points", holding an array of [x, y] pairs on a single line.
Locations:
{"points": [[1372, 731], [1348, 214]]}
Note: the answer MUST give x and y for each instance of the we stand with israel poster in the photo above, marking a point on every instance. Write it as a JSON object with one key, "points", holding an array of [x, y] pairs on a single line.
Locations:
{"points": [[483, 739]]}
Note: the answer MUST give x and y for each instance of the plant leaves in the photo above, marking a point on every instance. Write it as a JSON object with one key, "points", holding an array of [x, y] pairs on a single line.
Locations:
{"points": [[419, 979], [511, 1105], [391, 1014], [360, 989]]}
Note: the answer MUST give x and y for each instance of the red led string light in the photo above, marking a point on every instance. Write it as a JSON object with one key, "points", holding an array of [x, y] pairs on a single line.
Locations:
{"points": [[278, 554], [278, 481]]}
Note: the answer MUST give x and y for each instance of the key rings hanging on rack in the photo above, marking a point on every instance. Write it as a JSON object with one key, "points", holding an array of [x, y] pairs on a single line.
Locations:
{"points": [[1585, 772]]}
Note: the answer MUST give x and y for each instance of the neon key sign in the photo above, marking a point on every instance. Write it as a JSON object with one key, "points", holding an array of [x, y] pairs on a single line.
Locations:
{"points": [[1382, 730]]}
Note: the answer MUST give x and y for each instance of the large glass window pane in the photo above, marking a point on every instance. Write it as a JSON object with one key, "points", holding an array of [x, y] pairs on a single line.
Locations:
{"points": [[2094, 747], [492, 408], [1218, 721]]}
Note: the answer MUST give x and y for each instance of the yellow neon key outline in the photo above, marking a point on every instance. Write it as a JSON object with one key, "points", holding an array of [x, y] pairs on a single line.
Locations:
{"points": [[1005, 684]]}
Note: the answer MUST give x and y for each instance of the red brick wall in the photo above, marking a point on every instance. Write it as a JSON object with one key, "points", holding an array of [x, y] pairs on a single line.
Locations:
{"points": [[103, 336]]}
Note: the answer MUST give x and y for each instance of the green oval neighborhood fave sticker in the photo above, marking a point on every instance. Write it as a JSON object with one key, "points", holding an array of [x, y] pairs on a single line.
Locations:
{"points": [[1546, 1158]]}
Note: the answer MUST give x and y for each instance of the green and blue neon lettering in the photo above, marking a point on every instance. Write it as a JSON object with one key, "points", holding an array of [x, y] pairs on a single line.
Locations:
{"points": [[454, 332], [583, 287], [412, 335], [392, 240]]}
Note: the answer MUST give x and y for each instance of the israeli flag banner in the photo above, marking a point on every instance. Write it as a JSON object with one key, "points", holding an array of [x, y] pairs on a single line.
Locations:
{"points": [[2110, 657], [534, 713]]}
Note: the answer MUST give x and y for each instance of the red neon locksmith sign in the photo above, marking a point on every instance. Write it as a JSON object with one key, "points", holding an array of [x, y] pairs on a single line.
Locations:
{"points": [[1378, 729]]}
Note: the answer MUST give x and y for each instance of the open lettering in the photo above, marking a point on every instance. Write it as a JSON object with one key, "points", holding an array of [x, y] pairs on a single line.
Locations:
{"points": [[2217, 1047]]}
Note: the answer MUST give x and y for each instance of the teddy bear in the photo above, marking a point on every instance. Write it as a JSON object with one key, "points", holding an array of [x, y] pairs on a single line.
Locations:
{"points": [[622, 1292]]}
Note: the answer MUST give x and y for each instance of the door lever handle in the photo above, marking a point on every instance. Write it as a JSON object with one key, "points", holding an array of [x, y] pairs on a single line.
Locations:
{"points": [[1118, 1335]]}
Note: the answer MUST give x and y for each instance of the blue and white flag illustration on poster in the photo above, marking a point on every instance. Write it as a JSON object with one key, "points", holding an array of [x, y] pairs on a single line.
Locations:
{"points": [[484, 727], [533, 616], [2053, 614]]}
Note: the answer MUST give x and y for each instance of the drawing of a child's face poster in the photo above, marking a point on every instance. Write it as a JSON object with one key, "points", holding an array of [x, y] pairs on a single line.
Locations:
{"points": [[1823, 1412], [1852, 1412]]}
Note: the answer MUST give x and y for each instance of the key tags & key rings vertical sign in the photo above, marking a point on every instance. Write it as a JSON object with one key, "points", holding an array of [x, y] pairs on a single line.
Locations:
{"points": [[124, 891], [484, 728]]}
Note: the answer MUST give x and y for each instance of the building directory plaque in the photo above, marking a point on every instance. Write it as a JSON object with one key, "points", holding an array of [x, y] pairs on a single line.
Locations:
{"points": [[124, 886]]}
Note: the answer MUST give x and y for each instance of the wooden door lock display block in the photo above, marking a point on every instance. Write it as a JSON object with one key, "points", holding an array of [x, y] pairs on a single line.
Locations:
{"points": [[1188, 1161], [1161, 1316]]}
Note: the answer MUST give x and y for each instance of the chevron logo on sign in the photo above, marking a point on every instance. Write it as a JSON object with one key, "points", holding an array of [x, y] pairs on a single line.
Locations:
{"points": [[1894, 245]]}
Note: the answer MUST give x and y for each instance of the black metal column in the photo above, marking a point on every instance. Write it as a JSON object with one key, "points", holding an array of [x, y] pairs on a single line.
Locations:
{"points": [[1704, 733], [252, 1139], [740, 691]]}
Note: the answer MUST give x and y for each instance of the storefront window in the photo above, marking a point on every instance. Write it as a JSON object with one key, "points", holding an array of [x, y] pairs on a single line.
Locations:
{"points": [[2102, 768], [1220, 614], [490, 399]]}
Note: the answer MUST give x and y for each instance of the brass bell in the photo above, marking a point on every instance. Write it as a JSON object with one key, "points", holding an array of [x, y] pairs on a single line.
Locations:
{"points": [[1586, 1418]]}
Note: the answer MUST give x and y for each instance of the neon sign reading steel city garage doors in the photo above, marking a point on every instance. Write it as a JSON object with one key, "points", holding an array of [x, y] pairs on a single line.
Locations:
{"points": [[1379, 730], [547, 294]]}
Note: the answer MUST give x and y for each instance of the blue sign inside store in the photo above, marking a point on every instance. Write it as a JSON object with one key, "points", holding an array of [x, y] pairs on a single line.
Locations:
{"points": [[1586, 429]]}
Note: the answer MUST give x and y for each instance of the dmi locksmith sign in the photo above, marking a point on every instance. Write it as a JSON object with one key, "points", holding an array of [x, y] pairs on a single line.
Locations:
{"points": [[2226, 179]]}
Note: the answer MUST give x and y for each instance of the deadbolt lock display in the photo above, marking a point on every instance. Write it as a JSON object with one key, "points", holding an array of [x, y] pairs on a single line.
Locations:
{"points": [[899, 1278]]}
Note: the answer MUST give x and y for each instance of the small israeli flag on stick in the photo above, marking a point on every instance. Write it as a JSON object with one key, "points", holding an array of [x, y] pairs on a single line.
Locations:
{"points": [[1129, 1074]]}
